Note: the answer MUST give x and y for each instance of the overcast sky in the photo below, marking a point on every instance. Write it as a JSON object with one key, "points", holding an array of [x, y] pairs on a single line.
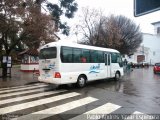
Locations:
{"points": [[118, 7]]}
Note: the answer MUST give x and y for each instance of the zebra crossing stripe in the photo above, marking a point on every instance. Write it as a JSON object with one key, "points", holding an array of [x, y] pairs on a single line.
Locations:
{"points": [[137, 115], [21, 86], [136, 112], [22, 92], [17, 89], [34, 103], [57, 110], [29, 97], [104, 109]]}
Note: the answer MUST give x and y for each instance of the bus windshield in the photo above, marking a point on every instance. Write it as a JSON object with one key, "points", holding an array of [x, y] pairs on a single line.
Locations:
{"points": [[48, 53]]}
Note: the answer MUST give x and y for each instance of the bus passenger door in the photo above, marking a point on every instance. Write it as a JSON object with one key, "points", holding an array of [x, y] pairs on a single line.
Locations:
{"points": [[107, 60]]}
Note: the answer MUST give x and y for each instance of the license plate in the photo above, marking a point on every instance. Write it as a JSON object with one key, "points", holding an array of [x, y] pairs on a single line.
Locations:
{"points": [[46, 72], [46, 76]]}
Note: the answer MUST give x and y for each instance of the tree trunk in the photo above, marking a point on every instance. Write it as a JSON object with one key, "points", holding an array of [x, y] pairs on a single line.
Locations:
{"points": [[4, 70]]}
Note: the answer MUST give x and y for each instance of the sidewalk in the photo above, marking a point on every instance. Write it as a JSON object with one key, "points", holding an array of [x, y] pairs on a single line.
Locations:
{"points": [[17, 78]]}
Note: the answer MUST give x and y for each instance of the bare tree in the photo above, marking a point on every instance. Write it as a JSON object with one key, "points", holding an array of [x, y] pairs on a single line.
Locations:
{"points": [[117, 32], [122, 33], [90, 25]]}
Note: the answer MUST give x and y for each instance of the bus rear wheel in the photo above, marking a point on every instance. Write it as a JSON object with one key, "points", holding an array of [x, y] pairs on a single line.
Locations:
{"points": [[117, 76], [81, 81]]}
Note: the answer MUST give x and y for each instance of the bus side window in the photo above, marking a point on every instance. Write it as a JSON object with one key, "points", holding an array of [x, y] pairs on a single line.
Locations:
{"points": [[83, 59], [114, 57], [100, 57], [86, 55], [77, 53], [66, 55], [119, 60], [94, 56]]}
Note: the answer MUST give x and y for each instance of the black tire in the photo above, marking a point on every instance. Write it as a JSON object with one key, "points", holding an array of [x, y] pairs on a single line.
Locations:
{"points": [[71, 85], [81, 81], [117, 76]]}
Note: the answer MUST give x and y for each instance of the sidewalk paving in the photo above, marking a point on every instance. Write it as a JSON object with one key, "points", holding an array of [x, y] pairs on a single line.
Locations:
{"points": [[17, 78]]}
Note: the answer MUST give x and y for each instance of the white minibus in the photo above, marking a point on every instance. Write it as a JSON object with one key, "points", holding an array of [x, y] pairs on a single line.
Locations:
{"points": [[66, 63]]}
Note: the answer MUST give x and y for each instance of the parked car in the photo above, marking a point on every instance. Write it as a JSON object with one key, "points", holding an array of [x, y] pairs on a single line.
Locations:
{"points": [[156, 68], [144, 64], [140, 65]]}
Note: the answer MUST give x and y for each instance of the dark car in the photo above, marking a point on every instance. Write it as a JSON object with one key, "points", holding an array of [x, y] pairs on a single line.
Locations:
{"points": [[156, 68], [140, 65], [144, 64]]}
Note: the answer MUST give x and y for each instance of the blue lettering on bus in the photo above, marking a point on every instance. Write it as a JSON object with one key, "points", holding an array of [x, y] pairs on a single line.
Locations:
{"points": [[51, 66], [95, 68]]}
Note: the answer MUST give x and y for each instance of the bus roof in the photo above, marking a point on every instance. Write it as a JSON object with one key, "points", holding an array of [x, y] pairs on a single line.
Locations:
{"points": [[70, 44]]}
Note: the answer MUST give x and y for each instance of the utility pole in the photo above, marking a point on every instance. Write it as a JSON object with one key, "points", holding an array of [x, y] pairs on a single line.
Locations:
{"points": [[143, 53]]}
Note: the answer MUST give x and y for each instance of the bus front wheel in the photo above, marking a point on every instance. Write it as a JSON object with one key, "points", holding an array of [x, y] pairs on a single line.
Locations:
{"points": [[81, 81]]}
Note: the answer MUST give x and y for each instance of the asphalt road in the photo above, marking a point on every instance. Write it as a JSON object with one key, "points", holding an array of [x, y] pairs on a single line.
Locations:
{"points": [[138, 92]]}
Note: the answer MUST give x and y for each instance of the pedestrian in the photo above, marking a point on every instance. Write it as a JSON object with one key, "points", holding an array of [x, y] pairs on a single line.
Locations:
{"points": [[125, 64], [129, 67]]}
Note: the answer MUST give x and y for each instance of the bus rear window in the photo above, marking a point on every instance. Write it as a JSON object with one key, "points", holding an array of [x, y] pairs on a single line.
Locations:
{"points": [[48, 53]]}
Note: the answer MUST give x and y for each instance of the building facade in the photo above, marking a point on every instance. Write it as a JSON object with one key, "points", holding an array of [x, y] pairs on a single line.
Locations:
{"points": [[29, 60], [149, 51]]}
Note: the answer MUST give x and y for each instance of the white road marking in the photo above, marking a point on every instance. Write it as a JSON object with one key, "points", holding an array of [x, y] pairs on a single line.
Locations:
{"points": [[34, 103], [29, 97], [21, 86], [136, 112], [22, 92], [24, 88], [57, 110], [101, 110], [139, 116]]}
